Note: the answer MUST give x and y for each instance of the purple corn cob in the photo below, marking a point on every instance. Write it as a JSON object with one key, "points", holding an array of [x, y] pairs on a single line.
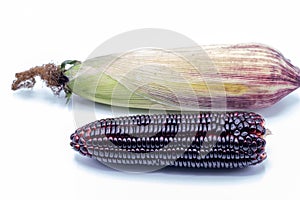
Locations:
{"points": [[202, 140]]}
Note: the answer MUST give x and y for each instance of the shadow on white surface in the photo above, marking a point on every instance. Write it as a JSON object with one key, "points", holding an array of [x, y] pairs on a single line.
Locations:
{"points": [[284, 106], [42, 96], [176, 174], [250, 171]]}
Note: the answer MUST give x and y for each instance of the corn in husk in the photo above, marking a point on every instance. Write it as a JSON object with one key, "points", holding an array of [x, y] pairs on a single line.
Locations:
{"points": [[242, 76]]}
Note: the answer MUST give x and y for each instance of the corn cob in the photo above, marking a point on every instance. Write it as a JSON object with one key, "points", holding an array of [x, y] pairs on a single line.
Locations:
{"points": [[201, 140], [242, 76]]}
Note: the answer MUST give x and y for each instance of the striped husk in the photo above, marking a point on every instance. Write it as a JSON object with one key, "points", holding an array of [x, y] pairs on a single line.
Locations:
{"points": [[242, 76]]}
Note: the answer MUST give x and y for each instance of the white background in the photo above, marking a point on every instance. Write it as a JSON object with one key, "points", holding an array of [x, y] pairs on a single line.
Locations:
{"points": [[36, 159]]}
